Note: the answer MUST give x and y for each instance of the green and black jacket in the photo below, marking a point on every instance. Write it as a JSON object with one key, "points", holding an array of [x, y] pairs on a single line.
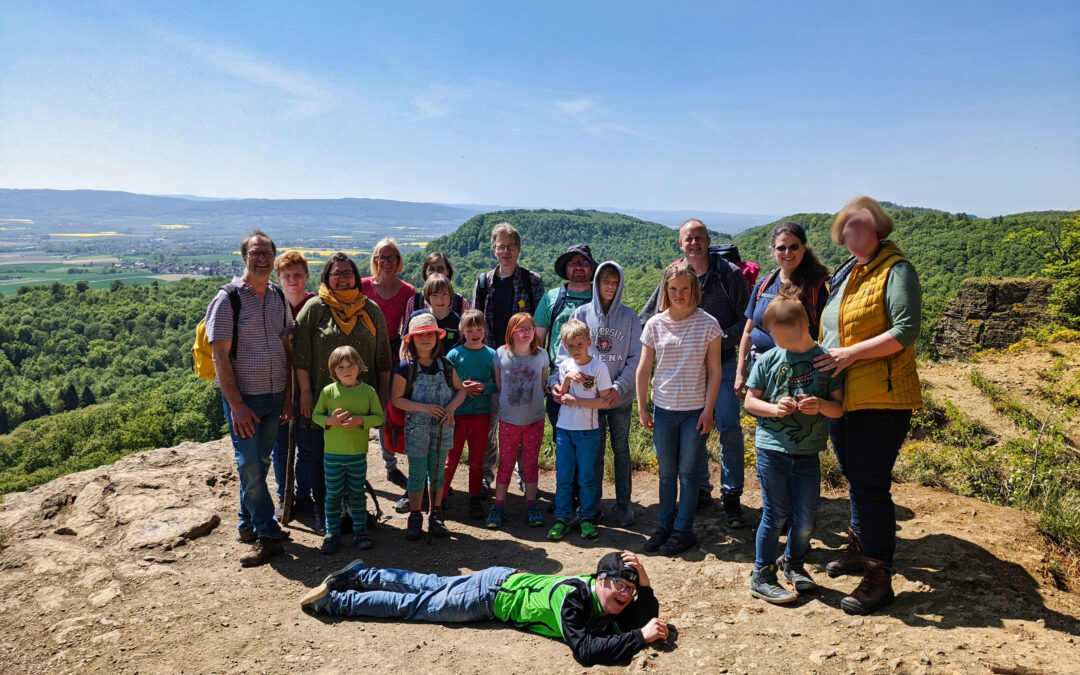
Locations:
{"points": [[567, 608]]}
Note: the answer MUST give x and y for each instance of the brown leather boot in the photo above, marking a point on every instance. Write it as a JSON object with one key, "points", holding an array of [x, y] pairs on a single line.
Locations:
{"points": [[874, 591], [850, 559]]}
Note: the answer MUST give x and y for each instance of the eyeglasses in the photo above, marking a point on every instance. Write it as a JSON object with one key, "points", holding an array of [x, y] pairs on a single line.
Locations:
{"points": [[622, 586], [342, 274], [505, 248], [386, 258], [784, 249], [260, 253], [579, 263]]}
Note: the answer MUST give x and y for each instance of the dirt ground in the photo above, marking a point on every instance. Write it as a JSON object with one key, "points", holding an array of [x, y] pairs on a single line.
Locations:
{"points": [[973, 596]]}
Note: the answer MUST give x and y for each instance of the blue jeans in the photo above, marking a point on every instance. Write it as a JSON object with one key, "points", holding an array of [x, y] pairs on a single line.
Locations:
{"points": [[732, 447], [575, 451], [420, 597], [679, 447], [253, 463], [309, 462], [790, 488], [867, 443], [618, 419]]}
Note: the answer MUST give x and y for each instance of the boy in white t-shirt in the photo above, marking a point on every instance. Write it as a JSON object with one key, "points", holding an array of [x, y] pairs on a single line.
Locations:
{"points": [[583, 380]]}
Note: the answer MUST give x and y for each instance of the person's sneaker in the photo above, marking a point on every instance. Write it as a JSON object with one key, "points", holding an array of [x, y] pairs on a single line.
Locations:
{"points": [[849, 561], [624, 515], [246, 535], [402, 505], [435, 525], [415, 528], [874, 591], [476, 508], [679, 541], [330, 544], [796, 573], [320, 524], [362, 540], [340, 580], [588, 530], [261, 551], [533, 516], [733, 513], [764, 585], [558, 530], [397, 478], [704, 499], [653, 543], [495, 517]]}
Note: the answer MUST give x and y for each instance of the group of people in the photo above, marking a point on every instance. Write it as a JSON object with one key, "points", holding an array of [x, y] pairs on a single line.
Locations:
{"points": [[813, 357]]}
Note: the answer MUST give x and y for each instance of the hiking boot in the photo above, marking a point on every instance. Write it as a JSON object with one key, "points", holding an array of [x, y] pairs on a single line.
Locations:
{"points": [[796, 574], [733, 513], [874, 591], [558, 530], [397, 478], [476, 508], [330, 544], [533, 516], [362, 540], [402, 505], [435, 525], [261, 551], [495, 517], [320, 524], [704, 499], [850, 559], [415, 528], [341, 580], [624, 515], [679, 541], [653, 543], [246, 535], [764, 585], [588, 530]]}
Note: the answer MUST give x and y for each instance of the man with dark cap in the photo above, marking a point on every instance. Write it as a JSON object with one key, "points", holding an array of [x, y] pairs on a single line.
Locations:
{"points": [[605, 617], [577, 267]]}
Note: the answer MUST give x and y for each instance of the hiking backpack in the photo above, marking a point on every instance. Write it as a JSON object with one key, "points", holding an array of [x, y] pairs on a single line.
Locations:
{"points": [[202, 354], [730, 252], [392, 430]]}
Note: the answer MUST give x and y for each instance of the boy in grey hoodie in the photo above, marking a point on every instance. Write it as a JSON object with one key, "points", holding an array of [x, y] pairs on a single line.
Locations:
{"points": [[616, 341]]}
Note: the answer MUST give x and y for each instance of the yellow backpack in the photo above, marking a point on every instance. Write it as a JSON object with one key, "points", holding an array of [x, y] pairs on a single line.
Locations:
{"points": [[202, 355]]}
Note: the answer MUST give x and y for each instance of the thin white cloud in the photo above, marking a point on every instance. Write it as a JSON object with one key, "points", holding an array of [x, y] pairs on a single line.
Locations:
{"points": [[436, 101], [592, 117], [307, 97]]}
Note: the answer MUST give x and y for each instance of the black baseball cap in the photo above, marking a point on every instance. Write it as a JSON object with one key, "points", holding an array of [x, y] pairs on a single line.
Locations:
{"points": [[612, 565]]}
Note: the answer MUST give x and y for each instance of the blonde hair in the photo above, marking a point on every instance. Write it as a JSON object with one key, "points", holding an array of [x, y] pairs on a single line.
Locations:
{"points": [[573, 330], [471, 318], [437, 283], [680, 269], [507, 229], [290, 258], [883, 222], [784, 310], [345, 354], [384, 243], [512, 325]]}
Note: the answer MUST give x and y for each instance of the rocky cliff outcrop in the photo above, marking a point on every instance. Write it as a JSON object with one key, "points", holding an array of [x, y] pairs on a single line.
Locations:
{"points": [[990, 313]]}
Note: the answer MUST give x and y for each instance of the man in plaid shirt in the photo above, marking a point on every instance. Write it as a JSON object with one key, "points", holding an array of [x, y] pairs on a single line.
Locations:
{"points": [[253, 375]]}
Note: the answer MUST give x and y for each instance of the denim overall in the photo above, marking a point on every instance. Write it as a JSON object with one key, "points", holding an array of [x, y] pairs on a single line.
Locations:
{"points": [[422, 431]]}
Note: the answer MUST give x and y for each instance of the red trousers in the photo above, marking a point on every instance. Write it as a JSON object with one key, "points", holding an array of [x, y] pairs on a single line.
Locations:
{"points": [[474, 429]]}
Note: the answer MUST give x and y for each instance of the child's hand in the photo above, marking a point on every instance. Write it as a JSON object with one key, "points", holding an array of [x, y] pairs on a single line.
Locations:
{"points": [[705, 422], [610, 396], [353, 421], [786, 406], [436, 411], [473, 388], [568, 399], [307, 404], [576, 376], [337, 418], [645, 418], [808, 404], [448, 419]]}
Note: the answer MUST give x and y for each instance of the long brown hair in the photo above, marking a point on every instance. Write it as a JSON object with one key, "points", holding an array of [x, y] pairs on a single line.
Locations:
{"points": [[810, 271]]}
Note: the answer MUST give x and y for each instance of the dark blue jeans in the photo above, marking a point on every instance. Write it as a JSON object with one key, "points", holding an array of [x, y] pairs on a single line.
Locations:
{"points": [[867, 443], [253, 463], [309, 463], [790, 488], [732, 446], [420, 597]]}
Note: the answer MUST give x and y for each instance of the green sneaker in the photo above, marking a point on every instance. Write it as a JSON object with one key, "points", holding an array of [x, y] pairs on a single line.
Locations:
{"points": [[558, 530], [588, 530]]}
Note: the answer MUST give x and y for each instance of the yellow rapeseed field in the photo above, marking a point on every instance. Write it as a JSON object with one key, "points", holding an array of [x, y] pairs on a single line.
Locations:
{"points": [[83, 235]]}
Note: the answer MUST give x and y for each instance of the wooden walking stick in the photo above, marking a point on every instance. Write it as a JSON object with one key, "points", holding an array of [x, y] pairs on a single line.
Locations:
{"points": [[290, 474]]}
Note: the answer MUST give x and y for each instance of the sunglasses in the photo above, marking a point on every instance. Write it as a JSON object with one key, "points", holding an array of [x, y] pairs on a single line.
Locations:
{"points": [[784, 249]]}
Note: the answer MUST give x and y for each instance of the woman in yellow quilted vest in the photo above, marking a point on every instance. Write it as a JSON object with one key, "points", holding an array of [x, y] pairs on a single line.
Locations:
{"points": [[869, 327]]}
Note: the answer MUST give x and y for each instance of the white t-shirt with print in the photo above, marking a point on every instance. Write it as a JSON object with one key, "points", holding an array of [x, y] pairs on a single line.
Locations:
{"points": [[597, 379]]}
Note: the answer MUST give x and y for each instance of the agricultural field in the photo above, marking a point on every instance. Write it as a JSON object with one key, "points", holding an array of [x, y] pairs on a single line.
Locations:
{"points": [[41, 270]]}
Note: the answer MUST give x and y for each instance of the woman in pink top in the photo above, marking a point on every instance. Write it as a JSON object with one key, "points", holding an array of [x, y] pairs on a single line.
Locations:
{"points": [[391, 295], [683, 342]]}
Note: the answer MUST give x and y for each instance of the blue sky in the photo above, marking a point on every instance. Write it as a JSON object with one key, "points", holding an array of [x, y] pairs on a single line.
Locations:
{"points": [[721, 106]]}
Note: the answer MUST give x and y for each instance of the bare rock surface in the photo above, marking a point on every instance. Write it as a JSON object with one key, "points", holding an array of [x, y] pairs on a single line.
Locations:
{"points": [[133, 567]]}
